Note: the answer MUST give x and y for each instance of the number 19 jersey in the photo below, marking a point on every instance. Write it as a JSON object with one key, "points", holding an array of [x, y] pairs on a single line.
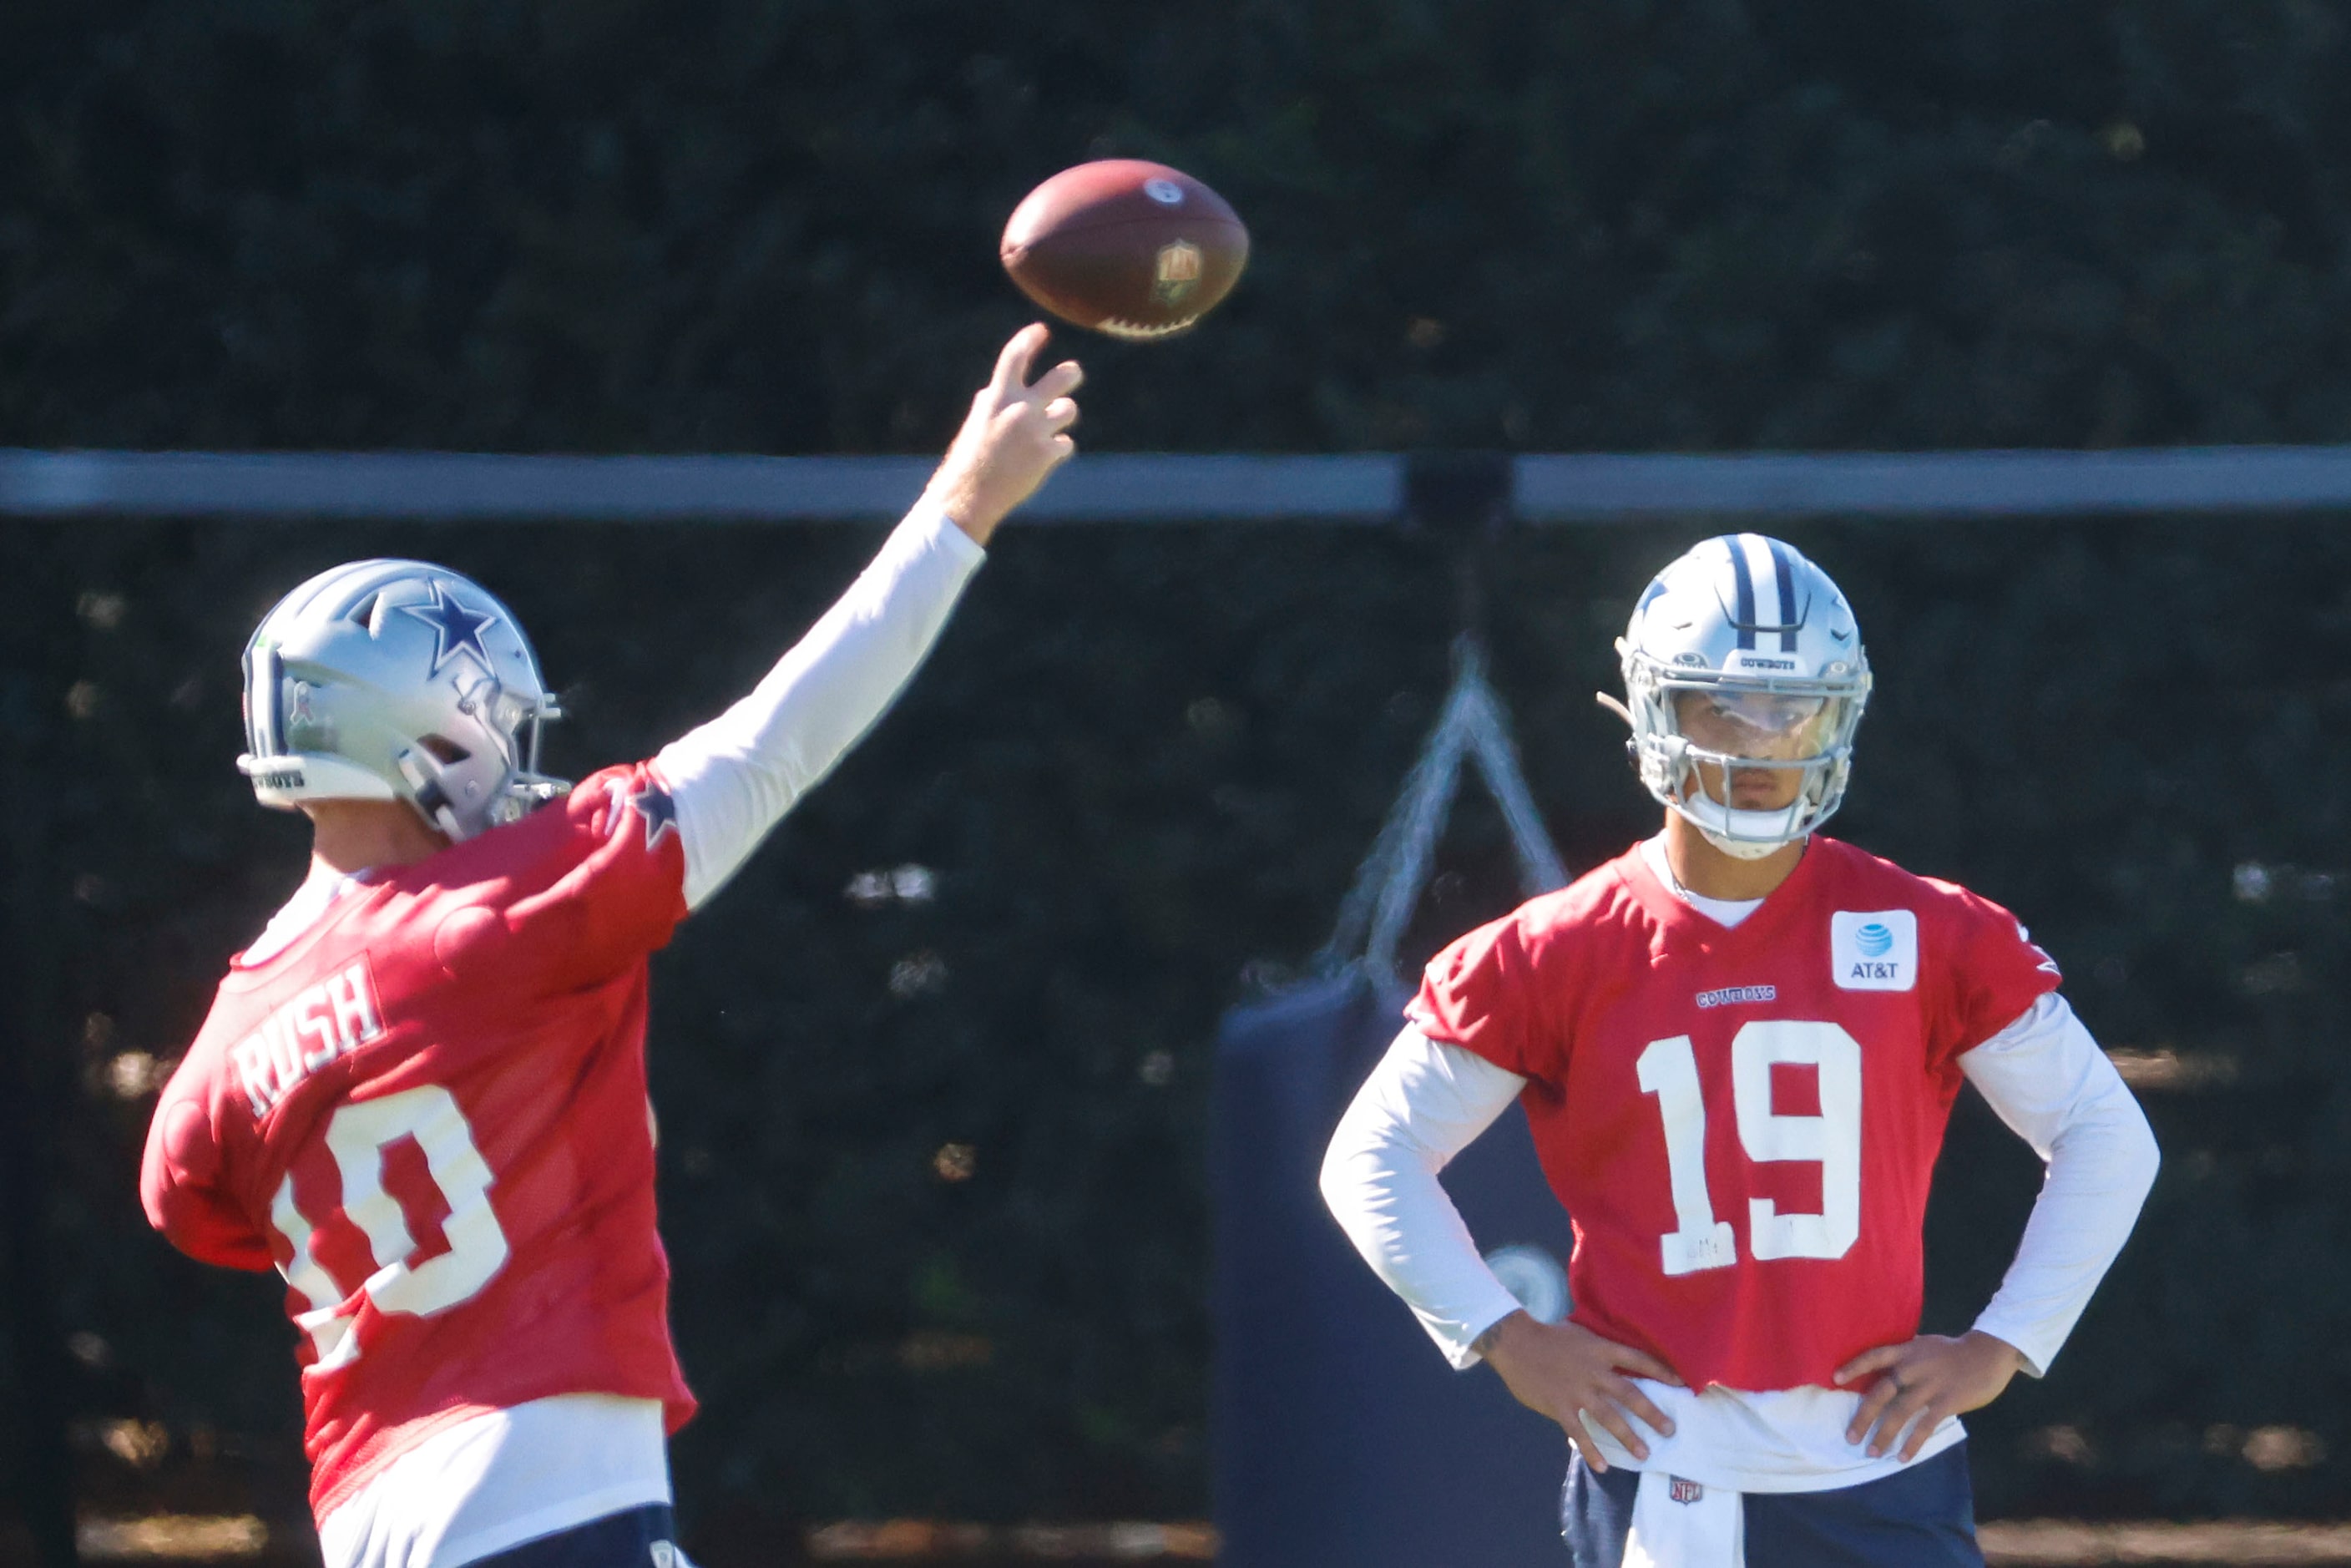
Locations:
{"points": [[1742, 1122], [429, 1112]]}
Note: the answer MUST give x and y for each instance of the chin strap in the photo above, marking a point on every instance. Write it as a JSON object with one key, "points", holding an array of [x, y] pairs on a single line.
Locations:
{"points": [[1740, 849]]}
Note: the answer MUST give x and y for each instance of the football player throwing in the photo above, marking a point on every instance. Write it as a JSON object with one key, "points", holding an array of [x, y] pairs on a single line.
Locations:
{"points": [[420, 1096], [1738, 1045]]}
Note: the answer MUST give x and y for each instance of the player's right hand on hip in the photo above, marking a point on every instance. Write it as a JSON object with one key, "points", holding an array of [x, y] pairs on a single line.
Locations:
{"points": [[1014, 435], [1564, 1370]]}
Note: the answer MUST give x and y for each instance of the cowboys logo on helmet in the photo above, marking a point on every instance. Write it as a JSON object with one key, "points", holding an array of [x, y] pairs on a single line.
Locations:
{"points": [[397, 680], [1743, 674]]}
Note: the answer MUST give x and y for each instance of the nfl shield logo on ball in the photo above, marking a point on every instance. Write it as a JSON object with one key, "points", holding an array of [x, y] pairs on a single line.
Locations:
{"points": [[1681, 1490], [1177, 272]]}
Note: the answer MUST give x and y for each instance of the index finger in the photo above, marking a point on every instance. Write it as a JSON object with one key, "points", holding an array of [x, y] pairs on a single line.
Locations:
{"points": [[1876, 1360], [1627, 1359], [1058, 382], [1019, 352]]}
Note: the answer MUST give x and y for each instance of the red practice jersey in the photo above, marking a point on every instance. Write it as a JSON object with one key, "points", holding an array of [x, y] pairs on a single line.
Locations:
{"points": [[1742, 1122], [428, 1112]]}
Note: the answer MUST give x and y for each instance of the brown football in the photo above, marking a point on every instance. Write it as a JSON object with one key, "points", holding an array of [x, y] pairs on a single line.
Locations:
{"points": [[1126, 247]]}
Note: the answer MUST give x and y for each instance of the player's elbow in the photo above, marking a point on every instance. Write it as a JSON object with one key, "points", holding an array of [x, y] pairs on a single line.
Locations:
{"points": [[155, 1199], [176, 1213], [179, 1145], [2114, 1147], [207, 1228], [1355, 1175], [180, 1178], [1339, 1181]]}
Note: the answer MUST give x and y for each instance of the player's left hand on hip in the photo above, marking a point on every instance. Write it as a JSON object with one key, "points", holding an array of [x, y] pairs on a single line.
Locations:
{"points": [[1017, 434], [1922, 1383]]}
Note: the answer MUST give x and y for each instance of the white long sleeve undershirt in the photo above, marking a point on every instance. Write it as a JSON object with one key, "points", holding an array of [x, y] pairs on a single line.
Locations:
{"points": [[2043, 1075], [734, 777]]}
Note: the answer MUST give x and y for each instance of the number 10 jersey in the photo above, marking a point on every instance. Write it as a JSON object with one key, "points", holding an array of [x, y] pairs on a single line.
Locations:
{"points": [[1742, 1122], [428, 1112]]}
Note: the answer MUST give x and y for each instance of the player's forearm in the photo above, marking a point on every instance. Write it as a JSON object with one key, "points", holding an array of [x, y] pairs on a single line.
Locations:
{"points": [[2047, 1079], [734, 777], [2097, 1181], [1422, 1105]]}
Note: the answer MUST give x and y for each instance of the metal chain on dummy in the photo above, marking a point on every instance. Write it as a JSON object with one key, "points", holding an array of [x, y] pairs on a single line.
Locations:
{"points": [[1464, 500]]}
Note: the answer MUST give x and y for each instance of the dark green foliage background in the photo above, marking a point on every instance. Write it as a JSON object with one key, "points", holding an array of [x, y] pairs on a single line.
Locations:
{"points": [[729, 224], [1143, 764]]}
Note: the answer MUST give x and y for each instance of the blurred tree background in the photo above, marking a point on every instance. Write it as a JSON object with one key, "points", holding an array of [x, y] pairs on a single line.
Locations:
{"points": [[931, 1074], [768, 227]]}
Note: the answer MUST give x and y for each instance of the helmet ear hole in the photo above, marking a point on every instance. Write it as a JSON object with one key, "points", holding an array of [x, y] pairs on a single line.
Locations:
{"points": [[445, 752]]}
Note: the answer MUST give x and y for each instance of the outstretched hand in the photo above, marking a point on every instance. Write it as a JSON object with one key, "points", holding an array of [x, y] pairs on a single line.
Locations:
{"points": [[1924, 1380], [1014, 435], [1572, 1375]]}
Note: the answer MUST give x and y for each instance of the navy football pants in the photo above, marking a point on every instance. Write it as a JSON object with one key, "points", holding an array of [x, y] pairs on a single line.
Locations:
{"points": [[1924, 1517], [635, 1538]]}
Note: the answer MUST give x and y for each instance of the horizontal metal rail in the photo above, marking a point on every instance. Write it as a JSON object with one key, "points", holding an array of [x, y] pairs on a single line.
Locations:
{"points": [[1141, 487], [1934, 484], [463, 486]]}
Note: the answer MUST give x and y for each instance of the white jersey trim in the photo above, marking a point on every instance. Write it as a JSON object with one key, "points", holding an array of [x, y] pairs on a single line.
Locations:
{"points": [[497, 1479]]}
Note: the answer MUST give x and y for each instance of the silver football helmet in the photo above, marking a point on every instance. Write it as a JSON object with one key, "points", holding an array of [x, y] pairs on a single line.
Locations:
{"points": [[1743, 659], [397, 680]]}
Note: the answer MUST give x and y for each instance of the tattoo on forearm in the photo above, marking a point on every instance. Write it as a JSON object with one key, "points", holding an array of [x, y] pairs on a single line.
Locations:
{"points": [[1483, 1344]]}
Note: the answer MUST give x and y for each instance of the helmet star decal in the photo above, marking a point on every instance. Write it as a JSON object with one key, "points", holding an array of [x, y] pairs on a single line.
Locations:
{"points": [[455, 628]]}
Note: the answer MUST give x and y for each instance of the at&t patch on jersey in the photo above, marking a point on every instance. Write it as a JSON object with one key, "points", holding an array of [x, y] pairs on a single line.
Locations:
{"points": [[1877, 951]]}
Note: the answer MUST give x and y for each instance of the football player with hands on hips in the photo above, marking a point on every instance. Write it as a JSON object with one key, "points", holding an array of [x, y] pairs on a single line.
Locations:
{"points": [[1738, 1045], [420, 1096]]}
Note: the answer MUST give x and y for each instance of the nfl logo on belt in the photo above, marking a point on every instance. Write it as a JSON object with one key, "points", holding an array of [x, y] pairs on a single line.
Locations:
{"points": [[1681, 1490]]}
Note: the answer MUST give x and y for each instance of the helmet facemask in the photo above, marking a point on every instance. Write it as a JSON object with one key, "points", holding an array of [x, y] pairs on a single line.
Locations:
{"points": [[1752, 765]]}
